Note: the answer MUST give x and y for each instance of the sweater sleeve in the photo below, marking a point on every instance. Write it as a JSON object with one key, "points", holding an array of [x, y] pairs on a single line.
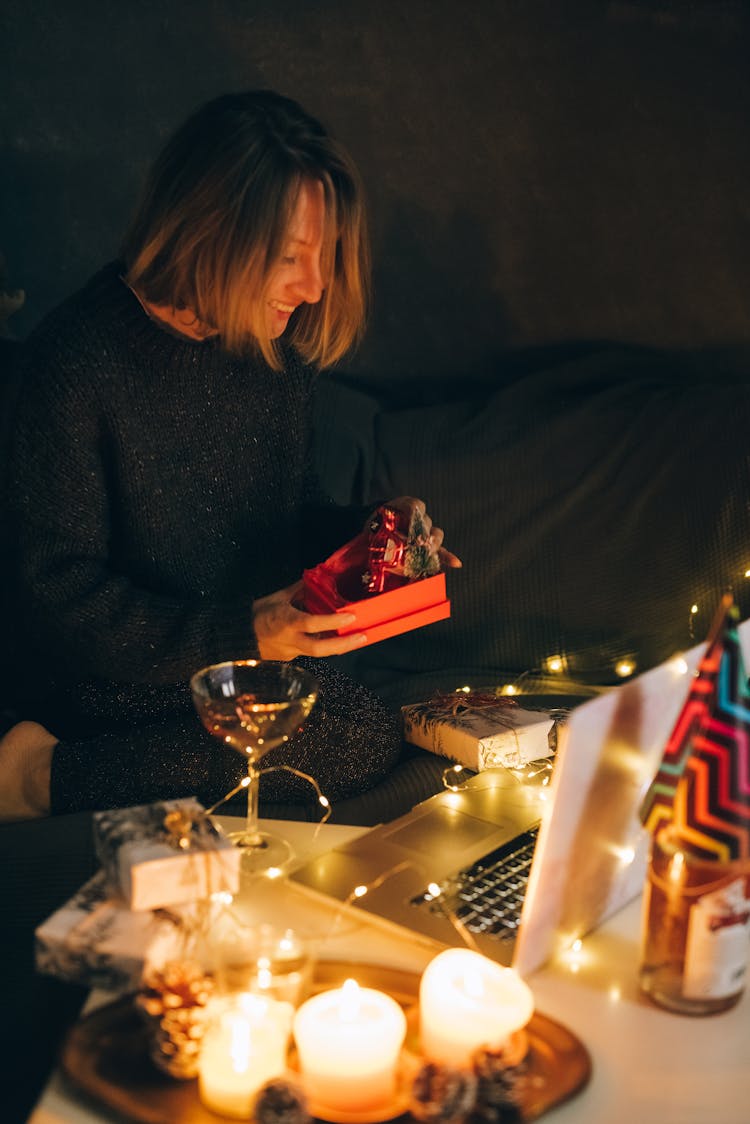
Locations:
{"points": [[326, 525], [75, 604]]}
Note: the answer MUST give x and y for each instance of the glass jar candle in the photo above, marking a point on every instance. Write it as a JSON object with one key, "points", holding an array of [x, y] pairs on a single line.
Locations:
{"points": [[696, 924]]}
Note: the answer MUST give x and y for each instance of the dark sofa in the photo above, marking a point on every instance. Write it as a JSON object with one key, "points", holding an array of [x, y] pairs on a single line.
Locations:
{"points": [[558, 354]]}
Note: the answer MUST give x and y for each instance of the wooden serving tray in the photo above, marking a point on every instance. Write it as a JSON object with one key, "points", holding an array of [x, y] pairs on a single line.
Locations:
{"points": [[105, 1054]]}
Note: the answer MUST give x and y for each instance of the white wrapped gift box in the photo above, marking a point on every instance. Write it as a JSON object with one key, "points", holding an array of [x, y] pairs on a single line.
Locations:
{"points": [[482, 736], [96, 941], [153, 862]]}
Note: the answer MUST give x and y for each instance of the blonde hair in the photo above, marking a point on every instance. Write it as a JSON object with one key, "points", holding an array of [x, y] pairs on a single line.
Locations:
{"points": [[214, 218]]}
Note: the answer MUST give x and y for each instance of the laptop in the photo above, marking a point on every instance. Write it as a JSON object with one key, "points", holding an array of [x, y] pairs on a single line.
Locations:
{"points": [[588, 847]]}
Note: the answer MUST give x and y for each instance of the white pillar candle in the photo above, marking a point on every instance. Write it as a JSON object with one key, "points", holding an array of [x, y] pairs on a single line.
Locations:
{"points": [[467, 1001], [349, 1041], [244, 1047]]}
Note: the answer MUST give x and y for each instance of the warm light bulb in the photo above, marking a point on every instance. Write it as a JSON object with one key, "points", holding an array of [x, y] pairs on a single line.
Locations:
{"points": [[626, 855], [693, 609], [360, 891], [433, 890], [324, 801], [555, 664], [274, 872], [451, 777], [676, 866], [509, 689], [572, 955], [624, 668]]}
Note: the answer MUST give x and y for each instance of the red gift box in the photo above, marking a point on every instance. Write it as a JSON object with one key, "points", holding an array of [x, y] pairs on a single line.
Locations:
{"points": [[336, 586]]}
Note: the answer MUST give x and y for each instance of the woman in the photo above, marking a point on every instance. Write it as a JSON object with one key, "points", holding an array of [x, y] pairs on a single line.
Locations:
{"points": [[161, 499]]}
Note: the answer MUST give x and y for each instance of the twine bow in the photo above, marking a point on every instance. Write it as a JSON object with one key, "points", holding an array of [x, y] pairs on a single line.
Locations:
{"points": [[179, 824], [456, 703]]}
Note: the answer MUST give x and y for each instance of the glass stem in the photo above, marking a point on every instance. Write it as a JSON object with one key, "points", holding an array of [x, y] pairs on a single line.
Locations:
{"points": [[253, 837]]}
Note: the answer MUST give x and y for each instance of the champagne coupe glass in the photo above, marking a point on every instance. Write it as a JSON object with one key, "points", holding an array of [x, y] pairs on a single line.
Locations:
{"points": [[254, 706]]}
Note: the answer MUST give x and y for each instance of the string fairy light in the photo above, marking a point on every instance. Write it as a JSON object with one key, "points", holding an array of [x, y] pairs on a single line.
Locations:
{"points": [[558, 665], [625, 668], [626, 855], [322, 800], [449, 777], [237, 788], [434, 892], [363, 888], [572, 955]]}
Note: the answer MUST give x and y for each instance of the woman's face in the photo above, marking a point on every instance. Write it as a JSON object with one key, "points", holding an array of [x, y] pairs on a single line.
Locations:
{"points": [[296, 278]]}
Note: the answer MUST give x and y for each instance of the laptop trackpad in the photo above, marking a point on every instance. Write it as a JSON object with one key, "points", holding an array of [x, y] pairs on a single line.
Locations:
{"points": [[442, 833]]}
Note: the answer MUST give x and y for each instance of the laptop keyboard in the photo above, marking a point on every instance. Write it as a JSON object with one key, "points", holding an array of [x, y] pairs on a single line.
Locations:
{"points": [[487, 896]]}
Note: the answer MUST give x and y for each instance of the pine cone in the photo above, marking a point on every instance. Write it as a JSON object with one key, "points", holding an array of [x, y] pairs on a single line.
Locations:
{"points": [[497, 1088], [441, 1094], [281, 1102], [420, 558], [173, 1003]]}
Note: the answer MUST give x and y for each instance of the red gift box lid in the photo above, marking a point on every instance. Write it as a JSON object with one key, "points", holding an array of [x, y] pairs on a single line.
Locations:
{"points": [[396, 625]]}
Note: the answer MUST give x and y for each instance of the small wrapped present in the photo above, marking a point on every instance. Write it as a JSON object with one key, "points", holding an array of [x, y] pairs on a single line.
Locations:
{"points": [[164, 854], [387, 576], [94, 940], [480, 731]]}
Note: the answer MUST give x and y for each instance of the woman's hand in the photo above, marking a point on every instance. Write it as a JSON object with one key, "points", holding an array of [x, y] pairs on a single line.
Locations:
{"points": [[409, 505], [284, 632]]}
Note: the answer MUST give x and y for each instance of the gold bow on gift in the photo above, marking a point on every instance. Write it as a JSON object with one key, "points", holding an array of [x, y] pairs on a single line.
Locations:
{"points": [[179, 825]]}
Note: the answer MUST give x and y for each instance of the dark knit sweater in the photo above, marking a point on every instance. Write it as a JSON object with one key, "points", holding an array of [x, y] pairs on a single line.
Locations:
{"points": [[155, 487]]}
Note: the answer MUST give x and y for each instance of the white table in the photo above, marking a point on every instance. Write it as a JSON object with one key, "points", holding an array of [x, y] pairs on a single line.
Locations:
{"points": [[649, 1066]]}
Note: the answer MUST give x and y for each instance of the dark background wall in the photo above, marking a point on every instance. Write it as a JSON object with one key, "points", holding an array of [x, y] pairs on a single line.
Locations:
{"points": [[538, 170]]}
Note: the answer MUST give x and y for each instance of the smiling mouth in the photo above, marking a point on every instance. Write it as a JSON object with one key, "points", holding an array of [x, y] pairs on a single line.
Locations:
{"points": [[287, 309]]}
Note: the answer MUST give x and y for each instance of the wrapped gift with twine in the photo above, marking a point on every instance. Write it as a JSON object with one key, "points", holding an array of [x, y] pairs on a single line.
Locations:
{"points": [[480, 730], [95, 941], [165, 854]]}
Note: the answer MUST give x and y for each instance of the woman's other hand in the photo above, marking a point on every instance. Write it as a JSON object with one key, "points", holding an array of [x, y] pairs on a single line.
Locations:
{"points": [[284, 632], [409, 505]]}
